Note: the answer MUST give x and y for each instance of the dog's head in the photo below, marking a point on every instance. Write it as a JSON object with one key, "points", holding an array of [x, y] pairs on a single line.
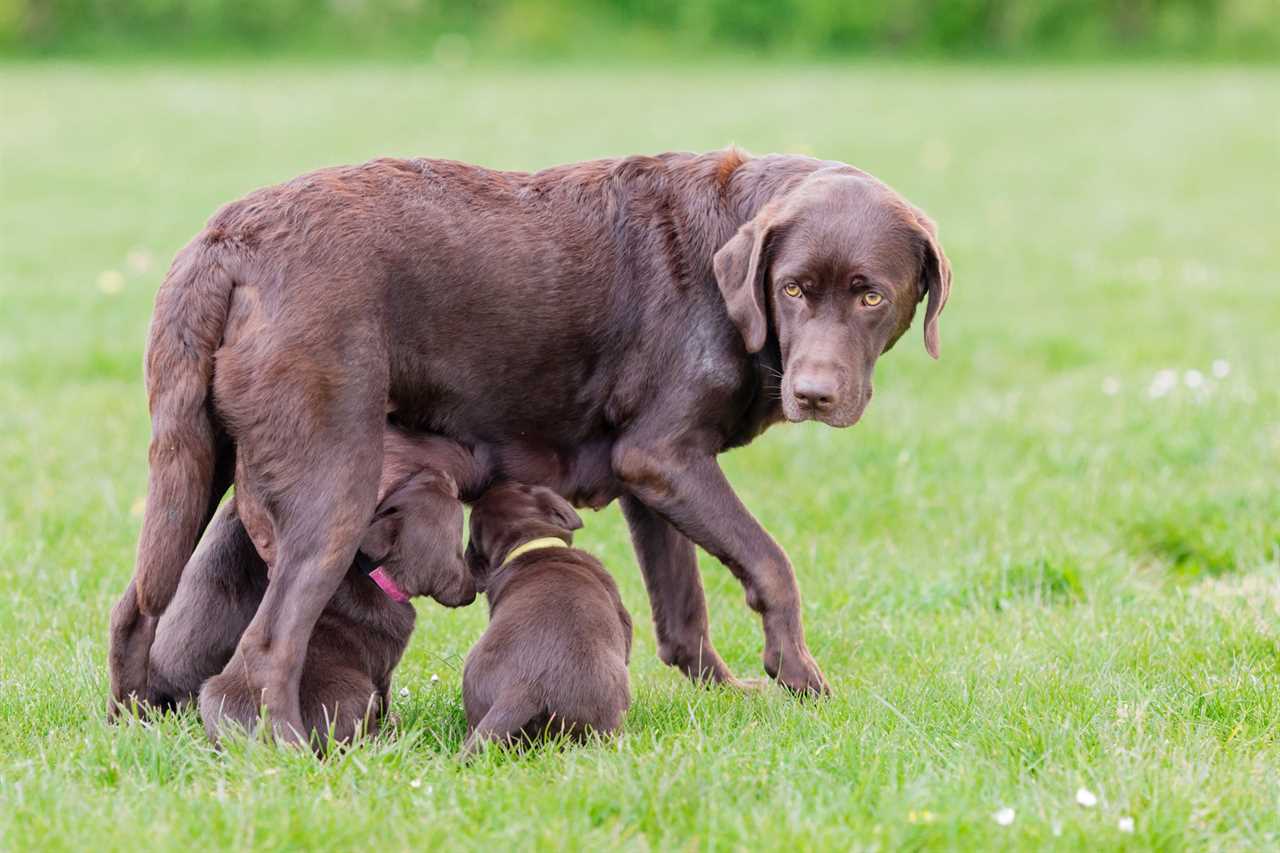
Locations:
{"points": [[416, 537], [834, 270], [510, 514]]}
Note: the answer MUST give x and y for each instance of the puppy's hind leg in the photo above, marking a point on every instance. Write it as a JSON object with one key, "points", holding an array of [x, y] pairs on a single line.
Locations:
{"points": [[505, 720]]}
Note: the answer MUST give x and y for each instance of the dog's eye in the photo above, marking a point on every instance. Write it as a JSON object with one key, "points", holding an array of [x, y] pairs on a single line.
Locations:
{"points": [[871, 299], [792, 289]]}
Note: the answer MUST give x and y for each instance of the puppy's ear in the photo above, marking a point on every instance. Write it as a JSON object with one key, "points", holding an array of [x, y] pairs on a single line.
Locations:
{"points": [[381, 536], [935, 281], [446, 483], [559, 509], [740, 270]]}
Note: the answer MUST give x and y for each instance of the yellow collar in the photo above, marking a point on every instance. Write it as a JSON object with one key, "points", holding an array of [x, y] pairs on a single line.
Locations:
{"points": [[533, 545]]}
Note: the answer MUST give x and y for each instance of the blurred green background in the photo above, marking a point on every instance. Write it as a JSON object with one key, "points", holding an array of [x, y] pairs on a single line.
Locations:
{"points": [[451, 30]]}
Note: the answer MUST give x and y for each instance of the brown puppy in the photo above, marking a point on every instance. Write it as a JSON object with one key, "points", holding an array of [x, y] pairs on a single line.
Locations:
{"points": [[413, 547], [630, 319], [554, 657]]}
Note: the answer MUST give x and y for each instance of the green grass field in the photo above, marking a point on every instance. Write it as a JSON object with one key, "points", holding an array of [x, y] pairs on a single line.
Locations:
{"points": [[1037, 565]]}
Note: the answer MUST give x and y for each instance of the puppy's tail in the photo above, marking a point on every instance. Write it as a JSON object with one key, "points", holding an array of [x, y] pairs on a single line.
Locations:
{"points": [[191, 459], [505, 720]]}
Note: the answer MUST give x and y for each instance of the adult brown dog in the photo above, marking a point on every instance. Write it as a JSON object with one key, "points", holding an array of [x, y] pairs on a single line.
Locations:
{"points": [[627, 319], [554, 657]]}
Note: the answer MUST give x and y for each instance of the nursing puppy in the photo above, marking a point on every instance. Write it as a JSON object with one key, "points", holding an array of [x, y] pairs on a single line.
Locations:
{"points": [[554, 657], [413, 547]]}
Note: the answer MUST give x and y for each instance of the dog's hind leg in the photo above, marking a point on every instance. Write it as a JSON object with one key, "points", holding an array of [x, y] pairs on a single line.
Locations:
{"points": [[308, 421], [339, 703], [505, 720], [131, 637]]}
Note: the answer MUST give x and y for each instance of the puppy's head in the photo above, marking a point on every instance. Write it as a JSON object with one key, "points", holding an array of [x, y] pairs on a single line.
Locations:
{"points": [[510, 514], [416, 536], [832, 271]]}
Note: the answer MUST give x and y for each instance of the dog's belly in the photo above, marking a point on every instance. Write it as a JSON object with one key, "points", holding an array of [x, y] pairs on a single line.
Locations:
{"points": [[582, 472], [583, 475]]}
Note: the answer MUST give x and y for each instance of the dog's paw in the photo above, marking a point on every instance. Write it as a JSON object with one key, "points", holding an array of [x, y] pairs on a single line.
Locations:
{"points": [[798, 672]]}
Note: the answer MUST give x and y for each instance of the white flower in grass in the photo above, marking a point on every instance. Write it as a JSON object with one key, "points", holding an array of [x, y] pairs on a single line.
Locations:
{"points": [[1148, 269], [110, 282], [1004, 816], [1194, 272], [416, 783], [434, 678], [1193, 379], [1162, 383], [1086, 798], [404, 692], [1125, 824], [1221, 368], [1111, 386], [139, 261]]}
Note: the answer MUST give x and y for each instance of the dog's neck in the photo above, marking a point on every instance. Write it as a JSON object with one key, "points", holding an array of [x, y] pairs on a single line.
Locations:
{"points": [[379, 575], [533, 545], [765, 406], [533, 540]]}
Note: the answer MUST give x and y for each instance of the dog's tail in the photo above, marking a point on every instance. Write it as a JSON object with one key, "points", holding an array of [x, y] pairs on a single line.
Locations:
{"points": [[503, 722], [191, 459]]}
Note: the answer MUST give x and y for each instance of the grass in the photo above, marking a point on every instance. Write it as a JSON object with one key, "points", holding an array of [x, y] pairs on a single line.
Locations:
{"points": [[1018, 583]]}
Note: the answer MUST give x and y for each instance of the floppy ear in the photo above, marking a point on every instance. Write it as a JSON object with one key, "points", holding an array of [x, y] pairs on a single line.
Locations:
{"points": [[381, 537], [430, 540], [445, 482], [559, 509], [935, 280], [740, 270]]}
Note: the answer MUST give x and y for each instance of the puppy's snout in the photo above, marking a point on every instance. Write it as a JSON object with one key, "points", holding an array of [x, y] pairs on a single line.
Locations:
{"points": [[815, 392], [462, 592]]}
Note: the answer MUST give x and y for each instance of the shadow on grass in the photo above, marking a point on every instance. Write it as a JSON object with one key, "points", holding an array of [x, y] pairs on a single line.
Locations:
{"points": [[1206, 538], [1047, 580]]}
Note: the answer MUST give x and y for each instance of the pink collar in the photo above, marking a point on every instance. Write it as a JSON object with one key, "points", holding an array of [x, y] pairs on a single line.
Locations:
{"points": [[389, 586]]}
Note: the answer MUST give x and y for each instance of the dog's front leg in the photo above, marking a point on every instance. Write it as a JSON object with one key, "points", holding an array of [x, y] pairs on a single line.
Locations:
{"points": [[686, 486], [669, 564]]}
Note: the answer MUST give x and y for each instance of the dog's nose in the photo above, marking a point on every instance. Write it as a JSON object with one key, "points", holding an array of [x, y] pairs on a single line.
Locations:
{"points": [[815, 392]]}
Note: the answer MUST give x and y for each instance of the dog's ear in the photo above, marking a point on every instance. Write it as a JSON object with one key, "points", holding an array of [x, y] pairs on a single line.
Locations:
{"points": [[381, 536], [429, 549], [445, 482], [935, 281], [559, 509], [740, 269]]}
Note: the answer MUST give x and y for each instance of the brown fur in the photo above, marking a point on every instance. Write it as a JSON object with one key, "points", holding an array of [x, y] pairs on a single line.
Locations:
{"points": [[568, 324], [554, 657]]}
